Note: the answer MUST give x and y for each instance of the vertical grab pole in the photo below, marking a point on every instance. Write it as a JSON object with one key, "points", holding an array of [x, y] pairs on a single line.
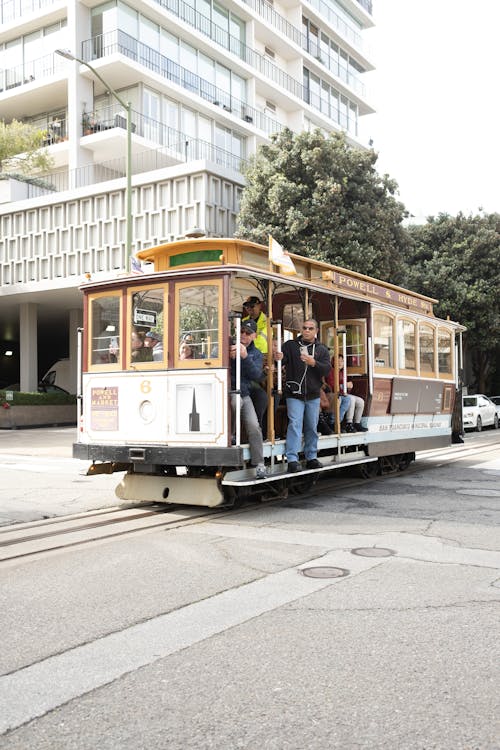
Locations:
{"points": [[370, 365], [79, 394], [279, 381], [336, 375], [268, 360], [238, 379]]}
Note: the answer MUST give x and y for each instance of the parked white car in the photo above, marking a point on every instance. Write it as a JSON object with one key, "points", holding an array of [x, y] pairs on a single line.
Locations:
{"points": [[496, 401], [478, 412]]}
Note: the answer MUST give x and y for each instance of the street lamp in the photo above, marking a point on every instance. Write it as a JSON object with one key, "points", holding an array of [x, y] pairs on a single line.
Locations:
{"points": [[128, 109]]}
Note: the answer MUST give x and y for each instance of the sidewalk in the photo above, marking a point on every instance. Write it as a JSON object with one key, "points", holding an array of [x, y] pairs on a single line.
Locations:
{"points": [[38, 441], [41, 479]]}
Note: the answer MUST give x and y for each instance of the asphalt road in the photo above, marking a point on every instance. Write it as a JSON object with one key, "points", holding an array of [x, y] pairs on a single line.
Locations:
{"points": [[212, 636]]}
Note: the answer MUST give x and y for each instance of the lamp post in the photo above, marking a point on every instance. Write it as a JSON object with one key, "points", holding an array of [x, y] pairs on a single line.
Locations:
{"points": [[128, 109]]}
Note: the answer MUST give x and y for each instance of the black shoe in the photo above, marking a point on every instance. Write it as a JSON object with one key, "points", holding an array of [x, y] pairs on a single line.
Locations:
{"points": [[349, 427], [313, 463], [359, 427], [292, 467]]}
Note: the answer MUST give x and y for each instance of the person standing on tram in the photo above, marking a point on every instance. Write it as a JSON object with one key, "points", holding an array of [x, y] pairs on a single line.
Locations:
{"points": [[307, 362], [252, 364], [252, 310]]}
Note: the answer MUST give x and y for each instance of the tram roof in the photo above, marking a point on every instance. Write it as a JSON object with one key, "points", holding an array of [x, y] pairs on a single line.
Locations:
{"points": [[211, 251]]}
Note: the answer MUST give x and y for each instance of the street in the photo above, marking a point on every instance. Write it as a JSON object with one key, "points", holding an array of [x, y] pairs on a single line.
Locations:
{"points": [[231, 631]]}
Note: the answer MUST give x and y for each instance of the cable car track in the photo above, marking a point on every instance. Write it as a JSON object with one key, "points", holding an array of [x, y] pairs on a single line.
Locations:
{"points": [[27, 541]]}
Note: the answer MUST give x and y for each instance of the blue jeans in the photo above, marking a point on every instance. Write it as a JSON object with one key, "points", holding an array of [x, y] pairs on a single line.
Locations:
{"points": [[344, 406], [302, 413]]}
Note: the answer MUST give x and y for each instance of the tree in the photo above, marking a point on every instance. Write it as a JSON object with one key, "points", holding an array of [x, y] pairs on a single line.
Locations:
{"points": [[456, 260], [21, 149], [319, 197]]}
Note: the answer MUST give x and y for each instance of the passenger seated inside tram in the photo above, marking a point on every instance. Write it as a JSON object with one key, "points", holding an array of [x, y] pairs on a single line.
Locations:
{"points": [[140, 352], [185, 351]]}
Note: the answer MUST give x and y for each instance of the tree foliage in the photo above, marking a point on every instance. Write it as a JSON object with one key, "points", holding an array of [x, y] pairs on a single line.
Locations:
{"points": [[456, 260], [322, 198], [21, 149]]}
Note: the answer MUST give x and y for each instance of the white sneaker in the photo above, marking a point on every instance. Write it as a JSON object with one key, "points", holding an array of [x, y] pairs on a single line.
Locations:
{"points": [[260, 471]]}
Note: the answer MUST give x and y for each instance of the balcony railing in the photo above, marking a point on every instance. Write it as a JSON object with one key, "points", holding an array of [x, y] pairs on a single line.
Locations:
{"points": [[185, 149], [117, 41], [42, 67], [338, 23], [11, 10]]}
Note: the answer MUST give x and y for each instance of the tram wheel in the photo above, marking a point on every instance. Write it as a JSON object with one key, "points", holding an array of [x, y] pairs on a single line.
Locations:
{"points": [[302, 484], [405, 460], [368, 470]]}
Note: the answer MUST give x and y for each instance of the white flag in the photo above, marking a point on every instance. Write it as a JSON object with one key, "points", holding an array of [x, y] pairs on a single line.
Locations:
{"points": [[135, 265], [280, 257]]}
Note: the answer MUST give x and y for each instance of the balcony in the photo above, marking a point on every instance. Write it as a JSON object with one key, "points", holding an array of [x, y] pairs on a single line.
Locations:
{"points": [[118, 42]]}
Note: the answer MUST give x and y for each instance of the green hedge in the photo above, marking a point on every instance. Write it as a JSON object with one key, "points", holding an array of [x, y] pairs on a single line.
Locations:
{"points": [[37, 399]]}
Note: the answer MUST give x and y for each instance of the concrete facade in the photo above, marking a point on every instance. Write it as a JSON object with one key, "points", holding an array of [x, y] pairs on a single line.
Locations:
{"points": [[207, 84]]}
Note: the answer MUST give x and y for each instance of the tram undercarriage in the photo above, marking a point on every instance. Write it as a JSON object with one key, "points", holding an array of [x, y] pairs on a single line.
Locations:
{"points": [[213, 485]]}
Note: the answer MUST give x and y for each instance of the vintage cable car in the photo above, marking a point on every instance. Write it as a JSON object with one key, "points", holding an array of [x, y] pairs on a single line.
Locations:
{"points": [[164, 418]]}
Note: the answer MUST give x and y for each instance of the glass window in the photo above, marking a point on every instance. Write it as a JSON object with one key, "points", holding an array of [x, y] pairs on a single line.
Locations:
{"points": [[147, 326], [406, 345], [169, 45], [426, 349], [355, 347], [105, 329], [383, 341], [444, 352], [293, 318], [198, 315]]}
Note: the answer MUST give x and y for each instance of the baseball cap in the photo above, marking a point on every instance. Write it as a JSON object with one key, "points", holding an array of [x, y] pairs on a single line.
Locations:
{"points": [[187, 339], [251, 301], [249, 325], [153, 335]]}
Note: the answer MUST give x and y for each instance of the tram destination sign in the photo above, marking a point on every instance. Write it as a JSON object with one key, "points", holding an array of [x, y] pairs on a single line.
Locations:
{"points": [[145, 317], [380, 293]]}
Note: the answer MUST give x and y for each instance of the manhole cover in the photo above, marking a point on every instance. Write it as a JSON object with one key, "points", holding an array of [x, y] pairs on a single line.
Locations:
{"points": [[324, 572], [373, 552]]}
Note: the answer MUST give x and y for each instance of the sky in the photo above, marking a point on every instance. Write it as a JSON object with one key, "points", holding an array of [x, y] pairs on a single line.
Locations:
{"points": [[436, 91]]}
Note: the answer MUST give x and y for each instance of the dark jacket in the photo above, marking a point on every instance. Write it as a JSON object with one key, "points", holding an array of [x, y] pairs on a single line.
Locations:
{"points": [[302, 381], [251, 369]]}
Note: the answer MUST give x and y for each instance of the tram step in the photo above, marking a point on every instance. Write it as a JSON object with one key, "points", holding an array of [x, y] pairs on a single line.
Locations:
{"points": [[245, 477]]}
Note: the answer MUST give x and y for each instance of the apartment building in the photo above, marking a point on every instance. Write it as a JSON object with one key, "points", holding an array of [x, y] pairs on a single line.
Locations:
{"points": [[204, 83]]}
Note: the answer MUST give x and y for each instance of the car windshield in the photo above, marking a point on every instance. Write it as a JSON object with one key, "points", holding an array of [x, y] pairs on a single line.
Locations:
{"points": [[496, 400], [470, 401]]}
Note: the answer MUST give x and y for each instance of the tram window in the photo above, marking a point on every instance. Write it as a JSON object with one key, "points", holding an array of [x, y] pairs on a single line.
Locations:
{"points": [[147, 325], [406, 345], [426, 349], [444, 352], [355, 342], [383, 341], [198, 313], [355, 348], [105, 329], [293, 317]]}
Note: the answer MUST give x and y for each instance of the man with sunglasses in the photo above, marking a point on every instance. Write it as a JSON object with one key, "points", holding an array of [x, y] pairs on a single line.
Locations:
{"points": [[307, 362], [252, 364]]}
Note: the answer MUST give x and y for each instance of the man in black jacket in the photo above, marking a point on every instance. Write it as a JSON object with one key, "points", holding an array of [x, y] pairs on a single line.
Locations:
{"points": [[307, 362]]}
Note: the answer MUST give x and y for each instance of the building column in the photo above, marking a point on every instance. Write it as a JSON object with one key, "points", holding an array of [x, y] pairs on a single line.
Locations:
{"points": [[28, 347], [75, 322]]}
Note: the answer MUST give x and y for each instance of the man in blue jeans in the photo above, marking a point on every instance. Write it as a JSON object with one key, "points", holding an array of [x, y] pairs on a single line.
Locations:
{"points": [[307, 362]]}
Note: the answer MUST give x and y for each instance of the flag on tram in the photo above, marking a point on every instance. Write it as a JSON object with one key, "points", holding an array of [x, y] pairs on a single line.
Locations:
{"points": [[280, 257], [135, 265]]}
